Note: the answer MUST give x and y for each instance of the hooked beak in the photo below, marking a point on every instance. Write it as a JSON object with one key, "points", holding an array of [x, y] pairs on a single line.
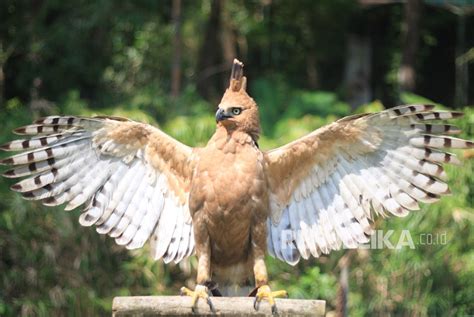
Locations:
{"points": [[221, 115]]}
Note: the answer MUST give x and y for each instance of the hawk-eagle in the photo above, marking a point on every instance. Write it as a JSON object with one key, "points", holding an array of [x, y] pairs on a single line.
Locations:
{"points": [[230, 202]]}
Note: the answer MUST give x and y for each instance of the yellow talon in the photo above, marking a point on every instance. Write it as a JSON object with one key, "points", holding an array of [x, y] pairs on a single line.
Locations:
{"points": [[264, 292], [200, 291]]}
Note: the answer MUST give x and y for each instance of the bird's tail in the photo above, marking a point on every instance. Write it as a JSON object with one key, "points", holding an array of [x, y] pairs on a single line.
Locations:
{"points": [[235, 290]]}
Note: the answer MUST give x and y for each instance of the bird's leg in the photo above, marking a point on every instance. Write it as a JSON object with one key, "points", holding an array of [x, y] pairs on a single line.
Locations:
{"points": [[201, 291], [203, 279], [258, 247], [263, 291]]}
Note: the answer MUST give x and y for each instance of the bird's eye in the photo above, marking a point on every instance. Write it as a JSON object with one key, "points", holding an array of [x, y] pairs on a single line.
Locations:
{"points": [[236, 111]]}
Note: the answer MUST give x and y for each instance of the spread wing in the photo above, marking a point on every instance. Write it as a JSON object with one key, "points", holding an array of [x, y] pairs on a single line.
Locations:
{"points": [[326, 186], [132, 178]]}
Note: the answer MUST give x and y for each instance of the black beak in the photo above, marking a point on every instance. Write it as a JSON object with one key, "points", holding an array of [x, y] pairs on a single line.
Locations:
{"points": [[220, 115]]}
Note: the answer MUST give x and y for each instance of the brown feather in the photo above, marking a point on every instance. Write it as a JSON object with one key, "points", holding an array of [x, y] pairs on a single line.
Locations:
{"points": [[358, 164]]}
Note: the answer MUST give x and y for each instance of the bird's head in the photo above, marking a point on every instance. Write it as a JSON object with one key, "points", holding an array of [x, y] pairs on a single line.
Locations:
{"points": [[237, 111]]}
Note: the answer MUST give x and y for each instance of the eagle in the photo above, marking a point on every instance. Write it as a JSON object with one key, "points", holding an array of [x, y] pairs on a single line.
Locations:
{"points": [[229, 202]]}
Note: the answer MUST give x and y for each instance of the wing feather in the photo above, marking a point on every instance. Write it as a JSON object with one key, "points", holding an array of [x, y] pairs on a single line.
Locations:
{"points": [[121, 171], [183, 241], [100, 201], [136, 235], [120, 205], [321, 230], [140, 197], [165, 229], [297, 231], [305, 210], [173, 246], [329, 185]]}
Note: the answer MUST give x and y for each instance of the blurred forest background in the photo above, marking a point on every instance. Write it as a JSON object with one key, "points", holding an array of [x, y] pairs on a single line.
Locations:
{"points": [[167, 63]]}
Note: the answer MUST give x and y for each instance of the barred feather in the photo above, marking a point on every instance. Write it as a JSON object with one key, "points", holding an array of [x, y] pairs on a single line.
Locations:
{"points": [[139, 233], [35, 143], [436, 128], [164, 231], [98, 163], [432, 141], [436, 115], [408, 110], [173, 246], [390, 164]]}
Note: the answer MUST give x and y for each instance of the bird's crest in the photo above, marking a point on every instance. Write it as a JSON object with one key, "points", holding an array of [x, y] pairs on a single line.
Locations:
{"points": [[238, 81]]}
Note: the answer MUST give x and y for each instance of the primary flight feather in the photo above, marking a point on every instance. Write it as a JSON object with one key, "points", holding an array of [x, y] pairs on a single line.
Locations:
{"points": [[229, 202]]}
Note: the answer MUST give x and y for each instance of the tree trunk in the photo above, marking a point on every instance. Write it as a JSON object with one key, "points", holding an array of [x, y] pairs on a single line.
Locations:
{"points": [[176, 67], [2, 86], [228, 43], [4, 56], [411, 34], [312, 70], [462, 73], [343, 291], [358, 71], [209, 59]]}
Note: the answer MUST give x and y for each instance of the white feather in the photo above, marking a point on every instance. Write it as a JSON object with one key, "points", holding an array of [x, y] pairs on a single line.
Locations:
{"points": [[184, 241], [295, 226], [150, 219], [166, 226], [173, 246], [146, 216], [119, 191], [271, 249], [125, 201], [304, 207], [88, 185], [322, 232], [133, 207]]}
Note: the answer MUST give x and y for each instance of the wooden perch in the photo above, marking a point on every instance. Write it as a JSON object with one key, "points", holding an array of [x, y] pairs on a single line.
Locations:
{"points": [[225, 306]]}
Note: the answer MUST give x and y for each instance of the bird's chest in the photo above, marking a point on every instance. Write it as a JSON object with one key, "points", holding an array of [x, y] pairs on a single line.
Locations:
{"points": [[229, 182], [228, 196]]}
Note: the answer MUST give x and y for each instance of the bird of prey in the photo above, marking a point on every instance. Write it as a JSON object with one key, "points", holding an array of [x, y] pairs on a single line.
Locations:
{"points": [[230, 202]]}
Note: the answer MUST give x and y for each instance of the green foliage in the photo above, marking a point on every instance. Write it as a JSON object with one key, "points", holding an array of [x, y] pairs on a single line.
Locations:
{"points": [[374, 106], [194, 130], [51, 266], [115, 58], [411, 98], [278, 101], [304, 281], [321, 103], [430, 279], [271, 96]]}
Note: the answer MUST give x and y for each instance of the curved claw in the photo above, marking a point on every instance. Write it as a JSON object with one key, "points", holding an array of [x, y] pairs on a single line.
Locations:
{"points": [[264, 292], [211, 305], [256, 303], [200, 291], [274, 310]]}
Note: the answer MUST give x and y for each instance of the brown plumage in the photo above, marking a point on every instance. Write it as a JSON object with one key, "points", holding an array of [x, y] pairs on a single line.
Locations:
{"points": [[228, 198], [229, 201]]}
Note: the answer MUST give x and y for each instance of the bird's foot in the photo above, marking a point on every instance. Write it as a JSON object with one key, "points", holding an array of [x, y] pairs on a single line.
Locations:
{"points": [[201, 291], [264, 292]]}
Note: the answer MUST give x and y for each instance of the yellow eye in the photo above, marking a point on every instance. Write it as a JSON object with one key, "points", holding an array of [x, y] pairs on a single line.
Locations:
{"points": [[236, 111]]}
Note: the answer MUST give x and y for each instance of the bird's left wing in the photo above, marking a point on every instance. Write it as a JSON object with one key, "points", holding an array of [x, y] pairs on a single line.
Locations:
{"points": [[325, 187], [132, 178]]}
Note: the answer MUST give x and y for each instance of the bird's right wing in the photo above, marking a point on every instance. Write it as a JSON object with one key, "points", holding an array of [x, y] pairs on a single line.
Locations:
{"points": [[132, 178], [326, 186]]}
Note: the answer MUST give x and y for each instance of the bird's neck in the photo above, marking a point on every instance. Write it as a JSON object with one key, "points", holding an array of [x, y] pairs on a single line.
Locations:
{"points": [[225, 139]]}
